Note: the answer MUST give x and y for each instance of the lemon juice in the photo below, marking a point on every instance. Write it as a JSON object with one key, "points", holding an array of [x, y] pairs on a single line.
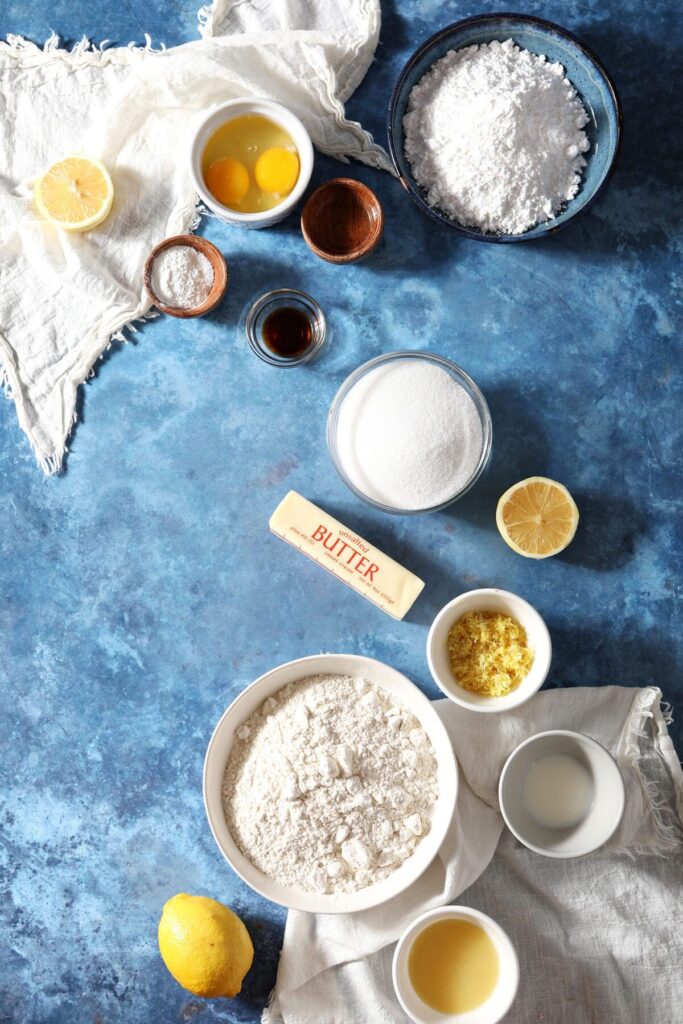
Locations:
{"points": [[453, 966], [250, 164]]}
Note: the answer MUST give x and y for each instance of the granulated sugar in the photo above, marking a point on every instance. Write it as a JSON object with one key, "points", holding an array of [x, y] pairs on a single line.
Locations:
{"points": [[408, 435], [330, 785], [494, 135]]}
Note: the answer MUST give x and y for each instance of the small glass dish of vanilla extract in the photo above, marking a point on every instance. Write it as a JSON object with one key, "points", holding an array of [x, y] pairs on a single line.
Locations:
{"points": [[285, 327]]}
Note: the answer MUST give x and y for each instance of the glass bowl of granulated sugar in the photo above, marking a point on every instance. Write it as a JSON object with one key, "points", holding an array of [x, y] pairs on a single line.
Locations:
{"points": [[409, 432]]}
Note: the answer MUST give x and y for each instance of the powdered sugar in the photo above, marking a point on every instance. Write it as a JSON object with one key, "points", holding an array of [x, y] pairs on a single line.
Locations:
{"points": [[494, 135], [330, 785], [181, 277]]}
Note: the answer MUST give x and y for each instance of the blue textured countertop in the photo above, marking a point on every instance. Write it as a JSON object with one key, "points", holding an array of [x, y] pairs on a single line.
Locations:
{"points": [[141, 590]]}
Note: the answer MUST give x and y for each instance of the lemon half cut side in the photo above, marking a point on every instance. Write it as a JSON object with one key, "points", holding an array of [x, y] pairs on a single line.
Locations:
{"points": [[75, 194], [537, 517]]}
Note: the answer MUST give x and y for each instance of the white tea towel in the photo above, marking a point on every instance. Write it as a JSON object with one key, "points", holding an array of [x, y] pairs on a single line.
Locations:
{"points": [[64, 297], [597, 936], [352, 29]]}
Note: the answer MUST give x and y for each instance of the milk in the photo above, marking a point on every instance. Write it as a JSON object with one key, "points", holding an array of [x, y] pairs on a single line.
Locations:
{"points": [[558, 791]]}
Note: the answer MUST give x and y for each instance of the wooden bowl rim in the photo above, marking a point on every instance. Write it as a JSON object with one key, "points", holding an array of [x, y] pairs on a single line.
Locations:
{"points": [[220, 275], [370, 201]]}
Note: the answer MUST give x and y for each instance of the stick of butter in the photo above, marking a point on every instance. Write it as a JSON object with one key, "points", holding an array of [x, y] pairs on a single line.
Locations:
{"points": [[346, 555]]}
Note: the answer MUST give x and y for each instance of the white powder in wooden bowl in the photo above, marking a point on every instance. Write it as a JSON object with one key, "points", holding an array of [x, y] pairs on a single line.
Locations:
{"points": [[330, 785], [181, 277]]}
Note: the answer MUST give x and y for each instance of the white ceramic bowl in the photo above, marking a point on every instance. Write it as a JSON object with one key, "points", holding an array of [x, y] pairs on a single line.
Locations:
{"points": [[601, 821], [276, 112], [405, 693], [494, 601], [500, 1000]]}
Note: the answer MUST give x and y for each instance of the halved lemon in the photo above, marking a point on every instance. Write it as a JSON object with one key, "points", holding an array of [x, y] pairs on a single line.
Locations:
{"points": [[537, 517], [75, 194]]}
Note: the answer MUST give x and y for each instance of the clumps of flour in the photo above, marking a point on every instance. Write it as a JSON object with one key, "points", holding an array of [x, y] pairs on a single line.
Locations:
{"points": [[494, 135], [330, 785]]}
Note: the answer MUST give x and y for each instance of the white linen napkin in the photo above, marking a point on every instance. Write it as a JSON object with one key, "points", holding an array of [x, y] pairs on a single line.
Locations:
{"points": [[63, 298], [597, 936]]}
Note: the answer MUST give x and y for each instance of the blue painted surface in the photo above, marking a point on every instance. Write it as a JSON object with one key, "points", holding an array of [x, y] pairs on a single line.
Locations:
{"points": [[141, 590]]}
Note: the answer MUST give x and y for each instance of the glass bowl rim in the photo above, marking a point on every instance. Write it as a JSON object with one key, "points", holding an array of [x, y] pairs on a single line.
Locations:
{"points": [[463, 378], [303, 298]]}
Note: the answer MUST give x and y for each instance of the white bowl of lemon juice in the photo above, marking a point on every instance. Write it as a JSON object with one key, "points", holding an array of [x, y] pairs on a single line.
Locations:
{"points": [[561, 794], [251, 162], [455, 965]]}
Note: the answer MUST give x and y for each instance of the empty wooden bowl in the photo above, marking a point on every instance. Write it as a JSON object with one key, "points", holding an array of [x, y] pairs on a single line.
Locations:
{"points": [[220, 275], [342, 221]]}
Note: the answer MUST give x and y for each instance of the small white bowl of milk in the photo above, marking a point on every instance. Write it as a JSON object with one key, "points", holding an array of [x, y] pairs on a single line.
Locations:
{"points": [[561, 794]]}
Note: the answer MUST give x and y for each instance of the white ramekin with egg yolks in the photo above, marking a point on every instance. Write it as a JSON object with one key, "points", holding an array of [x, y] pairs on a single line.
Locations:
{"points": [[270, 173]]}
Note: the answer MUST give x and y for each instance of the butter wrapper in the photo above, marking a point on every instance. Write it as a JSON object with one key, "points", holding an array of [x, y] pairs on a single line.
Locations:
{"points": [[354, 561]]}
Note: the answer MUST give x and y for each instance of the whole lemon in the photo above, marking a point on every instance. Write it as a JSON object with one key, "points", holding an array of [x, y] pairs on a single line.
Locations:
{"points": [[205, 945]]}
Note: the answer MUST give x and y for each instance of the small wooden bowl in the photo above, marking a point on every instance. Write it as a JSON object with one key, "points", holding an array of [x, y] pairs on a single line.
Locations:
{"points": [[342, 221], [220, 275]]}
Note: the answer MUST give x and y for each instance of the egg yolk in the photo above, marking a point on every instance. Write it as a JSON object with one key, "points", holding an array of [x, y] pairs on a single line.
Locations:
{"points": [[276, 170], [227, 180]]}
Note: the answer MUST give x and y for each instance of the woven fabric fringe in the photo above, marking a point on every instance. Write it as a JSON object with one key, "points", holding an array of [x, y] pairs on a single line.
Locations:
{"points": [[646, 728], [84, 53]]}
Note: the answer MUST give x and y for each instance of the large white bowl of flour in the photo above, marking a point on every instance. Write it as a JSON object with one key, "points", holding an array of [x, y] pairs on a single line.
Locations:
{"points": [[395, 692]]}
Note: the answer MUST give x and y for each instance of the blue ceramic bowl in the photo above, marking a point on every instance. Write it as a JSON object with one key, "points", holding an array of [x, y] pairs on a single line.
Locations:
{"points": [[583, 69]]}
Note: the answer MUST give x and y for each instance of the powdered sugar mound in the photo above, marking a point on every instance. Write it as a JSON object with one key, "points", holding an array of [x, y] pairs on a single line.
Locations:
{"points": [[330, 785], [494, 135]]}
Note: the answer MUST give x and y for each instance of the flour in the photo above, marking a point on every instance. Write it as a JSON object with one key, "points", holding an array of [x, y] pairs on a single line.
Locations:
{"points": [[408, 435], [181, 277], [494, 135], [330, 785]]}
